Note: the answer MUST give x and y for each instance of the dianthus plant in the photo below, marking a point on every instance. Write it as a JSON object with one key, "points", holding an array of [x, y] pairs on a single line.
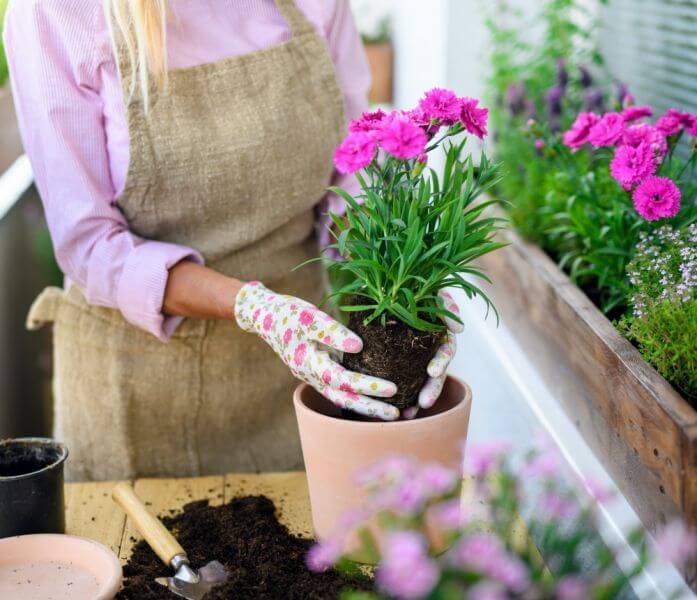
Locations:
{"points": [[412, 231]]}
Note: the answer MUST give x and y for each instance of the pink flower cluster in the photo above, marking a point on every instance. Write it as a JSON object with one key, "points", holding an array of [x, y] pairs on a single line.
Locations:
{"points": [[405, 134], [640, 149]]}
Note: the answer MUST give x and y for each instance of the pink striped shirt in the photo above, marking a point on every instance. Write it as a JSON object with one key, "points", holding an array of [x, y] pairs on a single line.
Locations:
{"points": [[72, 118]]}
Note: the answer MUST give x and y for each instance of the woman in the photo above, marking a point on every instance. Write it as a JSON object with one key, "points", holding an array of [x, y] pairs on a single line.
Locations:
{"points": [[182, 150]]}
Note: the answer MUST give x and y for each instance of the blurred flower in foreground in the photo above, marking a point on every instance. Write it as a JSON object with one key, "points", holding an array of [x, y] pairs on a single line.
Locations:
{"points": [[414, 510]]}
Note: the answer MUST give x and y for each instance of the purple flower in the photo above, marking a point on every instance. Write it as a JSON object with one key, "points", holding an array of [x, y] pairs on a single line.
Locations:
{"points": [[545, 465], [515, 98], [406, 571], [676, 544], [634, 113], [645, 133], [355, 153], [368, 122], [449, 515], [630, 166], [487, 590], [562, 74], [401, 137], [624, 97], [437, 479], [473, 117], [482, 458], [608, 131], [555, 507], [586, 77], [571, 588], [442, 105], [388, 470], [477, 552], [599, 492], [484, 554], [323, 555], [577, 136], [554, 98], [594, 100], [657, 198]]}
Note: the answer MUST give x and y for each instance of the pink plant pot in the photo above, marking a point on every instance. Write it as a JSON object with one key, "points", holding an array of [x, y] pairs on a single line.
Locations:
{"points": [[336, 449]]}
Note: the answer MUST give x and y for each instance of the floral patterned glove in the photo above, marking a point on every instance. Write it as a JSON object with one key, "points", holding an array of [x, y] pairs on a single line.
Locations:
{"points": [[300, 334], [438, 367]]}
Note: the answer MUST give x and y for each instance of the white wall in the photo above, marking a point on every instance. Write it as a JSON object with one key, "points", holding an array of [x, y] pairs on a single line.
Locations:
{"points": [[420, 40]]}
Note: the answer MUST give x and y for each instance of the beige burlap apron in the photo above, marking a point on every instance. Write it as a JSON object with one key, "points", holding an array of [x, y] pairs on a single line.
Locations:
{"points": [[231, 160]]}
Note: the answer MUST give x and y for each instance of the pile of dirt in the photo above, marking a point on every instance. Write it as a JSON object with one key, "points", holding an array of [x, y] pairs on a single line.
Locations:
{"points": [[263, 558]]}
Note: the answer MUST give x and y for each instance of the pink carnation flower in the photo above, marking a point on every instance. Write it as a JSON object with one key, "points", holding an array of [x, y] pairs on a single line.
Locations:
{"points": [[356, 152], [401, 137], [442, 105], [608, 131], [674, 121], [473, 117], [669, 124], [577, 136], [634, 113], [630, 165], [645, 133], [368, 122], [657, 198], [406, 571]]}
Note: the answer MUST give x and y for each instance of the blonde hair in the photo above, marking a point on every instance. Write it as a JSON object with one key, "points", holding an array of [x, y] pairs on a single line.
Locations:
{"points": [[141, 25]]}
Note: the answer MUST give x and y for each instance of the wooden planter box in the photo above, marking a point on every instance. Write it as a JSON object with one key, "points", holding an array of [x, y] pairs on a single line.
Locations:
{"points": [[642, 430], [381, 60], [10, 143]]}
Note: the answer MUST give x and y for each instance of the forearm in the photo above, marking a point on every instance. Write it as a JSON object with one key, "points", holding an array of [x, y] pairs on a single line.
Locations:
{"points": [[198, 292]]}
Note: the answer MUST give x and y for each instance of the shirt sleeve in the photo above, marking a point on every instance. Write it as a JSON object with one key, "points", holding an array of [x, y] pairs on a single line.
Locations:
{"points": [[55, 75], [353, 74]]}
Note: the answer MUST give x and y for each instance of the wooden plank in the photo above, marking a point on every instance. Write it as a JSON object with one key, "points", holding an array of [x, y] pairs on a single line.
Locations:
{"points": [[162, 496], [91, 513], [644, 432], [287, 490]]}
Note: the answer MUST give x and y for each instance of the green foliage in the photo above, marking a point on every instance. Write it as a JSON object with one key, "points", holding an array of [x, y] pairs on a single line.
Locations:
{"points": [[413, 236], [666, 336], [3, 60], [531, 70], [663, 322]]}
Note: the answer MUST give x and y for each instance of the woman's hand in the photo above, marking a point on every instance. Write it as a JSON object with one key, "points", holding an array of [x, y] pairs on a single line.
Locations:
{"points": [[438, 367], [299, 333]]}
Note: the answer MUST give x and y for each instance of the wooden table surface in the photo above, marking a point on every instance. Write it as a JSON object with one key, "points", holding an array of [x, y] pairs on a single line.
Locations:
{"points": [[91, 513]]}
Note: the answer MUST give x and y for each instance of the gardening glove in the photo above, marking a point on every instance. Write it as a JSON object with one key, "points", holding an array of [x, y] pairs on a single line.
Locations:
{"points": [[438, 367], [301, 334]]}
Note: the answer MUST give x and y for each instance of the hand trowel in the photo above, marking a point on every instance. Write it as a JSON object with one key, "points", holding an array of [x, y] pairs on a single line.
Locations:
{"points": [[186, 582]]}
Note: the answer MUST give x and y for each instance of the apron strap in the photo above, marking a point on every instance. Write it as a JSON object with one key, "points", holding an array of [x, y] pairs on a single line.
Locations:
{"points": [[45, 308], [295, 18]]}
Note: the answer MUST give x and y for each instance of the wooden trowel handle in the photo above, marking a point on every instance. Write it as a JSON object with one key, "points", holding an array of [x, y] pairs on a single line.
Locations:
{"points": [[150, 527]]}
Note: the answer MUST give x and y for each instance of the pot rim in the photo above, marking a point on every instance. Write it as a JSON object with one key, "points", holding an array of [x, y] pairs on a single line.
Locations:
{"points": [[301, 407], [61, 447]]}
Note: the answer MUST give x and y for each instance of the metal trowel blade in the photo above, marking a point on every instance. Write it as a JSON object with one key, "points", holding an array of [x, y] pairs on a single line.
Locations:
{"points": [[209, 576]]}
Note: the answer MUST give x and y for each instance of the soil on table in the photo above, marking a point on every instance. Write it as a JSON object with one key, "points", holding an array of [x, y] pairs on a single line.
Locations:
{"points": [[395, 352], [263, 559]]}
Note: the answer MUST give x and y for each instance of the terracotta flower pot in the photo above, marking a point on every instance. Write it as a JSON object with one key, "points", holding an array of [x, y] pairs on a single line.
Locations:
{"points": [[336, 449], [381, 60]]}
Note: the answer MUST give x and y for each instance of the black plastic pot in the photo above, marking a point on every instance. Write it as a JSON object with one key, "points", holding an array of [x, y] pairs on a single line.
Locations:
{"points": [[31, 486]]}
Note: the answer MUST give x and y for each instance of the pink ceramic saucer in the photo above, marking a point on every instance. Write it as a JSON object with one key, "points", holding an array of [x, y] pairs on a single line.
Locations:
{"points": [[60, 567]]}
